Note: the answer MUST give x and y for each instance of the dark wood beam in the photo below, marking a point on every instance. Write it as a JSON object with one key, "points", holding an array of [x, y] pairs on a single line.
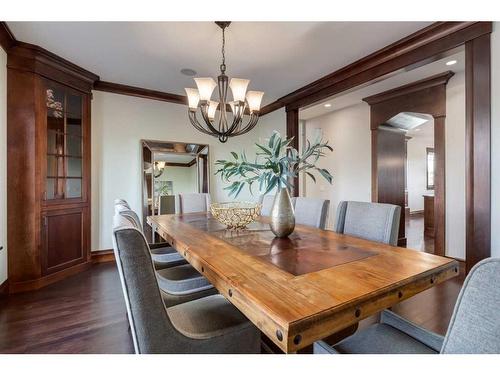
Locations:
{"points": [[7, 39], [292, 130], [426, 43], [478, 149], [117, 88], [435, 80]]}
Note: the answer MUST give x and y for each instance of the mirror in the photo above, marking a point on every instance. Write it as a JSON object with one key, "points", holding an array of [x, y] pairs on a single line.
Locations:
{"points": [[171, 168]]}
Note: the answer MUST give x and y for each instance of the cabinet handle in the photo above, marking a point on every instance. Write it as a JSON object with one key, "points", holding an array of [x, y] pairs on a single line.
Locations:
{"points": [[44, 197], [45, 221]]}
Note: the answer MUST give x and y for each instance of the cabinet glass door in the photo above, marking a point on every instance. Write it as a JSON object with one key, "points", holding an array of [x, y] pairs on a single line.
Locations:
{"points": [[64, 143]]}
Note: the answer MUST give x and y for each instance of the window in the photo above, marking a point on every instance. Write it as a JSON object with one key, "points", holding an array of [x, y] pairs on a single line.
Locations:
{"points": [[430, 168]]}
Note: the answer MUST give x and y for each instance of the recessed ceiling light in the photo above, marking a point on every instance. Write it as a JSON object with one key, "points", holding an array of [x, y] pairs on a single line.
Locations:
{"points": [[188, 72], [451, 62], [328, 105]]}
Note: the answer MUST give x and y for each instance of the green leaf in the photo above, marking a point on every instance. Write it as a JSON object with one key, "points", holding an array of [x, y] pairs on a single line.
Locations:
{"points": [[268, 152], [235, 155], [312, 176]]}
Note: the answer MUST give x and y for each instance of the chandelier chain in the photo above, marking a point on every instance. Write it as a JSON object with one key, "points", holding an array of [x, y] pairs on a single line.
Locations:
{"points": [[223, 65]]}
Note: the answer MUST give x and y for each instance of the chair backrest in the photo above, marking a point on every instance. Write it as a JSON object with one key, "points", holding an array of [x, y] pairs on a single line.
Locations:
{"points": [[371, 221], [192, 202], [151, 328], [311, 211], [121, 201], [121, 205], [133, 218], [475, 324], [166, 204], [267, 204]]}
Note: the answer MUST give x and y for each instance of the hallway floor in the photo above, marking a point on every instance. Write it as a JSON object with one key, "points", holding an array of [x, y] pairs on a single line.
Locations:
{"points": [[415, 234]]}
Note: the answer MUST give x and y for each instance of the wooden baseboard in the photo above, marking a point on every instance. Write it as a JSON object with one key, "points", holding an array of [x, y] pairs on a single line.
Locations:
{"points": [[25, 286], [102, 256], [4, 288]]}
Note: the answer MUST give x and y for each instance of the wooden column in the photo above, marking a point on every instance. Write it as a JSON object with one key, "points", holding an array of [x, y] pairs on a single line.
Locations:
{"points": [[478, 149], [439, 185], [292, 130]]}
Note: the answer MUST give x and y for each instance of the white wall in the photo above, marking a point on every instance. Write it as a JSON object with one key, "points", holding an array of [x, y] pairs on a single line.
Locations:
{"points": [[348, 132], [120, 122], [455, 167], [183, 179], [495, 140], [3, 165], [417, 165]]}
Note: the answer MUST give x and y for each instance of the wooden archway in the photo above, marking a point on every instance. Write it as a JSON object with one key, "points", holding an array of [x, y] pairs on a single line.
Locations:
{"points": [[424, 96]]}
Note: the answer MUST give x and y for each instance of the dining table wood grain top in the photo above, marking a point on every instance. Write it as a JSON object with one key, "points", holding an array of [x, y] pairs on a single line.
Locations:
{"points": [[303, 288]]}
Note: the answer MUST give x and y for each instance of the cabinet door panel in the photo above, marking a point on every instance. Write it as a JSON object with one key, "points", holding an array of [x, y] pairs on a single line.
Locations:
{"points": [[63, 239]]}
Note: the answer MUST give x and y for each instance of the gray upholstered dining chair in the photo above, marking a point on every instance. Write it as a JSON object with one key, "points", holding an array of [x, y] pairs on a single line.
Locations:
{"points": [[371, 221], [162, 253], [192, 202], [179, 281], [206, 325], [267, 204], [311, 211], [474, 327]]}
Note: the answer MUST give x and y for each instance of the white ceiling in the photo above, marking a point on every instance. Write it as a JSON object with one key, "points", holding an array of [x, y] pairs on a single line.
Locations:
{"points": [[278, 57], [394, 80]]}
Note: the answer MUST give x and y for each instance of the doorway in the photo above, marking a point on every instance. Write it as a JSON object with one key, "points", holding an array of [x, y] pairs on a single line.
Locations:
{"points": [[419, 184]]}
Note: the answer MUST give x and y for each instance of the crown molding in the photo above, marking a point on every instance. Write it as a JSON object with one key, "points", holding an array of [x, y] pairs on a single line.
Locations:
{"points": [[435, 80], [7, 39], [117, 88]]}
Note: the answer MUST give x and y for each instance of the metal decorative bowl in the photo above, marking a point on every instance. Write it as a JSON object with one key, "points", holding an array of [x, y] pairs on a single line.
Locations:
{"points": [[236, 215]]}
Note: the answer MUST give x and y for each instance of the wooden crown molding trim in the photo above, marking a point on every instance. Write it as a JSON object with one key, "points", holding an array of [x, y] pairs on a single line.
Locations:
{"points": [[425, 43], [117, 88], [435, 80], [7, 39]]}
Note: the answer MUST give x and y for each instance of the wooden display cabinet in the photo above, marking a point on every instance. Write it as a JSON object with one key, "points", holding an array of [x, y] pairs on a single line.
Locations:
{"points": [[48, 167]]}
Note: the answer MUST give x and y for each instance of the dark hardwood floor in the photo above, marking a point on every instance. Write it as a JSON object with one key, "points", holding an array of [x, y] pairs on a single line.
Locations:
{"points": [[86, 314], [415, 238], [82, 314]]}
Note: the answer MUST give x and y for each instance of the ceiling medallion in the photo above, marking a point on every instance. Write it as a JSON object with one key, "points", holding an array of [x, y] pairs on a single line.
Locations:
{"points": [[244, 103]]}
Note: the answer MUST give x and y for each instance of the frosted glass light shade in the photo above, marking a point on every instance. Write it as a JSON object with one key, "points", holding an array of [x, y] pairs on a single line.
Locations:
{"points": [[212, 108], [254, 99], [239, 88], [160, 164], [232, 105], [193, 98], [206, 87]]}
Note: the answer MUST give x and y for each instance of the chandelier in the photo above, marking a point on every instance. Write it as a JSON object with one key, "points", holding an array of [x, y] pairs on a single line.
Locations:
{"points": [[243, 103]]}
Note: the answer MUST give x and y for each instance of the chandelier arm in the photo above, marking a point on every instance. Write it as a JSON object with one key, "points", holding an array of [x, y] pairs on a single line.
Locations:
{"points": [[208, 122], [249, 126], [237, 119], [197, 125]]}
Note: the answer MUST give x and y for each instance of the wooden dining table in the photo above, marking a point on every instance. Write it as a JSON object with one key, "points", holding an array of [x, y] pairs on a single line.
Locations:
{"points": [[306, 287]]}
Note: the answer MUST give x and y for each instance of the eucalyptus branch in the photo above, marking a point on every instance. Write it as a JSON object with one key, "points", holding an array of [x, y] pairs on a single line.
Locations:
{"points": [[276, 164]]}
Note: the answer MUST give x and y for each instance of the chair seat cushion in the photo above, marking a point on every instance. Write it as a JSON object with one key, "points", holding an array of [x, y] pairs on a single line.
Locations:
{"points": [[207, 317], [382, 339], [182, 279], [165, 256]]}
